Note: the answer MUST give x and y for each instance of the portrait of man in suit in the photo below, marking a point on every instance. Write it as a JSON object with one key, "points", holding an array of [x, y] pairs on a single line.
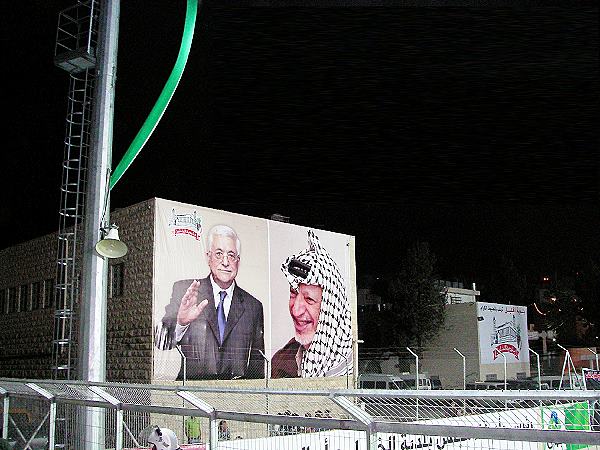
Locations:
{"points": [[217, 324]]}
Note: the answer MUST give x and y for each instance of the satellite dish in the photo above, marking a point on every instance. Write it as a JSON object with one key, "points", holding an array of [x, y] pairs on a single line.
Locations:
{"points": [[111, 246]]}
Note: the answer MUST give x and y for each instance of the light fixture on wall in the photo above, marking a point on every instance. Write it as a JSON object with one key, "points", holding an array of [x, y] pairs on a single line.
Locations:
{"points": [[110, 246]]}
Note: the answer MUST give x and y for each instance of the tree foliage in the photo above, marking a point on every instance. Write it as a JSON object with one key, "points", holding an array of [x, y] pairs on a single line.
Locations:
{"points": [[571, 307], [417, 306], [588, 288]]}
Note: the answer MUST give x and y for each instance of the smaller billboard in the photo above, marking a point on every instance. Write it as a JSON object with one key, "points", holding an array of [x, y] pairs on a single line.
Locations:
{"points": [[502, 331]]}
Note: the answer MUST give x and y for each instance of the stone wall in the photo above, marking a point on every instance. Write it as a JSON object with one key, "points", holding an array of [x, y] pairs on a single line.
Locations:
{"points": [[26, 336], [129, 327]]}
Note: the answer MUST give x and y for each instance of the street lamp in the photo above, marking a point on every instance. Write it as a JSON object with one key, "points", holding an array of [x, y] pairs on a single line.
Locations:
{"points": [[596, 354], [416, 365], [505, 383], [464, 368], [355, 343], [417, 377], [110, 246], [267, 376], [538, 369]]}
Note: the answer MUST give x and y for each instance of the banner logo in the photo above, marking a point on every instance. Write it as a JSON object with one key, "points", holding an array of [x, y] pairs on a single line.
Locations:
{"points": [[185, 224], [505, 348]]}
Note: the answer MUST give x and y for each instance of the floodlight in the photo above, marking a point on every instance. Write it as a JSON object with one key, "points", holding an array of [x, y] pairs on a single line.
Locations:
{"points": [[110, 246]]}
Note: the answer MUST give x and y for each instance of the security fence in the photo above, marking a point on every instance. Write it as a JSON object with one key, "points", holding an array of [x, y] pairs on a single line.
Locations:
{"points": [[44, 414]]}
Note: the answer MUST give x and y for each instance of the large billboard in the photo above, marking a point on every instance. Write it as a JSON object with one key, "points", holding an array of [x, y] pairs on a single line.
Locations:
{"points": [[502, 331], [235, 296]]}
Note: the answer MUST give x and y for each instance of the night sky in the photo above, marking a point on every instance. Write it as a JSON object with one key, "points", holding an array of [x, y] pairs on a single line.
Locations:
{"points": [[471, 128]]}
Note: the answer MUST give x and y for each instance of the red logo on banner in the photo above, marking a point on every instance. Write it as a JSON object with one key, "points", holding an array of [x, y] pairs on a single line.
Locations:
{"points": [[192, 233], [506, 348]]}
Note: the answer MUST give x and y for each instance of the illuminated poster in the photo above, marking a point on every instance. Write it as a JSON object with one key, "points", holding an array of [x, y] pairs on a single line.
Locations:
{"points": [[311, 302], [237, 296], [502, 330]]}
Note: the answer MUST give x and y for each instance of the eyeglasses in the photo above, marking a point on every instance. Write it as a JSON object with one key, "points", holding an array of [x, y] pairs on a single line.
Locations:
{"points": [[219, 255]]}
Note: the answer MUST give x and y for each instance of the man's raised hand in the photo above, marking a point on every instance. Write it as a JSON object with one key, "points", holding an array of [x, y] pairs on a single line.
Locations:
{"points": [[190, 309]]}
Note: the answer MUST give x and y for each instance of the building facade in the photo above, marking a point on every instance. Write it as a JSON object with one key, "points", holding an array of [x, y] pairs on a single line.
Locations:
{"points": [[27, 303], [162, 248]]}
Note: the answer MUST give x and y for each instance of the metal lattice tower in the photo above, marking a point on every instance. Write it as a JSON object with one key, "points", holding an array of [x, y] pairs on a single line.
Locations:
{"points": [[75, 52]]}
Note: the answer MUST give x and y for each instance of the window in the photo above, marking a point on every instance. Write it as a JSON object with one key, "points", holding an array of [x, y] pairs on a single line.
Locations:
{"points": [[36, 294], [116, 280], [24, 303], [49, 293], [2, 301], [13, 300]]}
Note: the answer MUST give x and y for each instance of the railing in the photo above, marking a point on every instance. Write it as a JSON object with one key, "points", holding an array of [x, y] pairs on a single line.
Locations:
{"points": [[258, 419]]}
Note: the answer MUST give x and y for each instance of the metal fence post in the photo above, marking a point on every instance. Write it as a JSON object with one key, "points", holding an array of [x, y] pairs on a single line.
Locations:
{"points": [[213, 433], [538, 369], [184, 363], [5, 406], [52, 415], [416, 378], [119, 409], [505, 383], [347, 372], [267, 376], [210, 412], [596, 354], [361, 416], [417, 366], [464, 368]]}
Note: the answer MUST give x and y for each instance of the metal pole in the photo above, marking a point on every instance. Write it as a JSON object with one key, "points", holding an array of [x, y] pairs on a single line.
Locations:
{"points": [[538, 369], [464, 368], [92, 330], [505, 384], [417, 378], [417, 365], [267, 376], [5, 409], [347, 372], [184, 379], [355, 358], [565, 364], [184, 363], [596, 354], [52, 423]]}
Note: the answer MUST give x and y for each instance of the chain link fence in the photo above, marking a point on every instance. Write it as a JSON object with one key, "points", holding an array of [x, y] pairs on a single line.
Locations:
{"points": [[74, 415]]}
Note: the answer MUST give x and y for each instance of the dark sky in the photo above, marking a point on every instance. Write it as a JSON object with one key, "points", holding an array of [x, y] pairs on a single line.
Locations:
{"points": [[472, 128]]}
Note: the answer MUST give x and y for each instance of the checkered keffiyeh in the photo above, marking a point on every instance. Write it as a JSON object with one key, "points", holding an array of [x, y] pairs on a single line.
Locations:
{"points": [[332, 344]]}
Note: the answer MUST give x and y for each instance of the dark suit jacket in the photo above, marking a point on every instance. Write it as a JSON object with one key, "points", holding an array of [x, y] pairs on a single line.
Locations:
{"points": [[239, 356]]}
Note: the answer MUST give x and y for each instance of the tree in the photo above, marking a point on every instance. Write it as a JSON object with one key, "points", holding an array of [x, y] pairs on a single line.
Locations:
{"points": [[571, 307], [588, 288], [418, 307], [564, 315]]}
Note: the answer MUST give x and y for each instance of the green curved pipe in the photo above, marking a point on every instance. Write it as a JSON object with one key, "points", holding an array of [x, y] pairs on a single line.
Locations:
{"points": [[165, 96]]}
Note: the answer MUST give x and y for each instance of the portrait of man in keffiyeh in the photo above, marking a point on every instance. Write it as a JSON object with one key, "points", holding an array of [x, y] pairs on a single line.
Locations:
{"points": [[321, 314]]}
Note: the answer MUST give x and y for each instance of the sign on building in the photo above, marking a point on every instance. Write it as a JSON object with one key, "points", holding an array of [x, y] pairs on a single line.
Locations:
{"points": [[235, 296]]}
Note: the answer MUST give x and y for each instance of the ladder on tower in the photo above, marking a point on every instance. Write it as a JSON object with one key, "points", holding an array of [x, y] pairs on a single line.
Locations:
{"points": [[75, 52]]}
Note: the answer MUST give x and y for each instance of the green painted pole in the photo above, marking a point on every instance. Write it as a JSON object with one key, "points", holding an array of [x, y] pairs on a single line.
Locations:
{"points": [[165, 97]]}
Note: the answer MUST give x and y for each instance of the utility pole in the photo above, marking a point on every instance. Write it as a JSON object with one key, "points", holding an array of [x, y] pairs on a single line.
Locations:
{"points": [[92, 330]]}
